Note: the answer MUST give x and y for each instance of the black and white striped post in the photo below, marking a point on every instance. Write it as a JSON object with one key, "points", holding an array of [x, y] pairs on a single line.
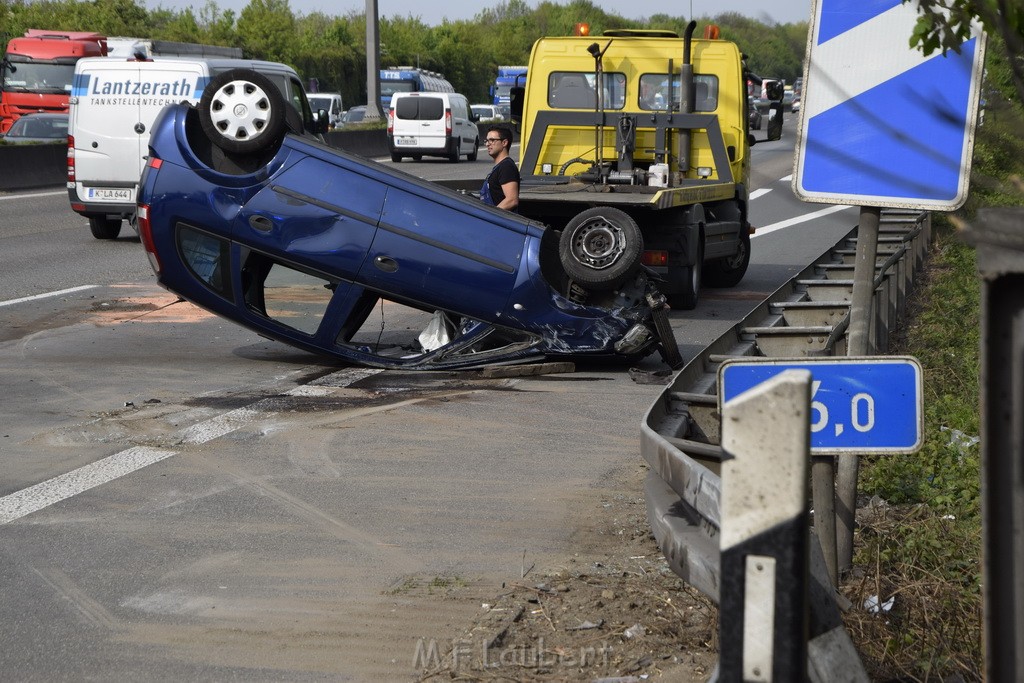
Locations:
{"points": [[763, 622]]}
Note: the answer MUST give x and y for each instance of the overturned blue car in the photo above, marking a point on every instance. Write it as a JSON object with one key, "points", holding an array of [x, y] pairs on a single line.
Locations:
{"points": [[243, 214]]}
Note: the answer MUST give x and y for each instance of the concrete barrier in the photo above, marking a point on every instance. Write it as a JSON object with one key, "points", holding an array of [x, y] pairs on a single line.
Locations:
{"points": [[25, 167]]}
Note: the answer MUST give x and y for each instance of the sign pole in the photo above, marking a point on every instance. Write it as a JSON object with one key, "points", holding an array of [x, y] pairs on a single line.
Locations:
{"points": [[858, 345]]}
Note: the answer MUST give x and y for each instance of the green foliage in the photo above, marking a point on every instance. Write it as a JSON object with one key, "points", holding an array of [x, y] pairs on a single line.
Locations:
{"points": [[925, 548], [332, 49], [267, 30], [944, 24]]}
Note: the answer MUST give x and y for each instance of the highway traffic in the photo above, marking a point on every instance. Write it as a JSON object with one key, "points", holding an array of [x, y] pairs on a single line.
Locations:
{"points": [[180, 494]]}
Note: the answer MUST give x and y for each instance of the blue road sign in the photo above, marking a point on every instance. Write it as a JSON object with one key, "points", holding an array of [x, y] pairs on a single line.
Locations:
{"points": [[880, 123], [858, 404]]}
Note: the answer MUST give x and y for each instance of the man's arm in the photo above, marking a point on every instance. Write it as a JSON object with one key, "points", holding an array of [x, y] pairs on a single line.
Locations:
{"points": [[511, 200]]}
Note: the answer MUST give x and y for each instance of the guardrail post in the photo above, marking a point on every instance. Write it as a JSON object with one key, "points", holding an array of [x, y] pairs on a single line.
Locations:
{"points": [[860, 323], [997, 234], [764, 539]]}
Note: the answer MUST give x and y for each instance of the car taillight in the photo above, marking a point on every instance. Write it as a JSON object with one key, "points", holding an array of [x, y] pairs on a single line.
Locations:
{"points": [[71, 161], [391, 121], [146, 235], [654, 258], [448, 122]]}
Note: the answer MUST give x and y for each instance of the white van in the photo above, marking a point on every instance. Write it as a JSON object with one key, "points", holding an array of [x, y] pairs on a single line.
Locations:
{"points": [[330, 102], [432, 124], [113, 106]]}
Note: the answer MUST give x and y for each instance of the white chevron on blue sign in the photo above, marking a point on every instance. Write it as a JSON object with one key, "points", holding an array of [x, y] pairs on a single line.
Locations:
{"points": [[881, 124]]}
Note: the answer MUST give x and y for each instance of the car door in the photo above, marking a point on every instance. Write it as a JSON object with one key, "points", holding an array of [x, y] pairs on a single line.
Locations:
{"points": [[443, 252]]}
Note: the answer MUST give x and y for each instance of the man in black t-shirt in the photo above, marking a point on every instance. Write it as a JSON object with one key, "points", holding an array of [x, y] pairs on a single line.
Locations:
{"points": [[501, 186]]}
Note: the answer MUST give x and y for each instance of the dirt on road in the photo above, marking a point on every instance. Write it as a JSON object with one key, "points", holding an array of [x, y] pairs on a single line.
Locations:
{"points": [[613, 610]]}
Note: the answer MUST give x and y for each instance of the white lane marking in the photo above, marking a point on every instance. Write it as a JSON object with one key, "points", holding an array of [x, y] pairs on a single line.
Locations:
{"points": [[11, 302], [34, 498], [215, 427], [798, 219], [45, 494], [34, 194], [853, 70], [759, 193]]}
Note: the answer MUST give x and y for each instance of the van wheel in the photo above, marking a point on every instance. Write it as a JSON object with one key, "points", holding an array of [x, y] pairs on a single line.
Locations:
{"points": [[395, 157], [476, 149], [600, 247], [104, 228], [242, 111], [453, 156]]}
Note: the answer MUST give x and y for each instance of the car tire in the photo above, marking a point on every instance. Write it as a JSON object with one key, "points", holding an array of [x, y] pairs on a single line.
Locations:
{"points": [[476, 150], [243, 112], [690, 278], [395, 157], [600, 247], [729, 270], [104, 228]]}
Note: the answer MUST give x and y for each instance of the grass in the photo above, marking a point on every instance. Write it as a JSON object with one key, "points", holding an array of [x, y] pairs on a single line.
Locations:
{"points": [[919, 540]]}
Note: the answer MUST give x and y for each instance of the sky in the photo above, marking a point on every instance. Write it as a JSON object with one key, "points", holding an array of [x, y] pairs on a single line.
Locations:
{"points": [[434, 12]]}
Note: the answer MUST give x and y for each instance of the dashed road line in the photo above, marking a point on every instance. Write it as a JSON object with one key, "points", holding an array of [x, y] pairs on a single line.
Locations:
{"points": [[34, 498]]}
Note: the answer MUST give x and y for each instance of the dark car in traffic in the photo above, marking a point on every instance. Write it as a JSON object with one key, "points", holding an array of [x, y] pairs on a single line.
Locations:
{"points": [[343, 256], [42, 127]]}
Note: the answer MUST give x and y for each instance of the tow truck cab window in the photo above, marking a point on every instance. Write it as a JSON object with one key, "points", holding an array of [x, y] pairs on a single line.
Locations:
{"points": [[654, 92], [575, 90]]}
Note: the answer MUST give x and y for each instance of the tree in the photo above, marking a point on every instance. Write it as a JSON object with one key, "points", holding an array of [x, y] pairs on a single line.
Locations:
{"points": [[267, 30], [945, 24]]}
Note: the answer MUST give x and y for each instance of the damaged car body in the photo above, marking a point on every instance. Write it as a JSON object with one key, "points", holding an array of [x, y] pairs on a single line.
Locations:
{"points": [[243, 215]]}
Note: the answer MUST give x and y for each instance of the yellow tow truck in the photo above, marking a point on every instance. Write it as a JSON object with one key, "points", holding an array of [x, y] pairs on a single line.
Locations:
{"points": [[635, 145]]}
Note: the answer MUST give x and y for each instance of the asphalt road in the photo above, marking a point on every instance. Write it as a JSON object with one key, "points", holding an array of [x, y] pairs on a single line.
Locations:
{"points": [[180, 498]]}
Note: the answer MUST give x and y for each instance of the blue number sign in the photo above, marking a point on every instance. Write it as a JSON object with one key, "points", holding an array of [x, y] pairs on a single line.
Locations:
{"points": [[858, 405]]}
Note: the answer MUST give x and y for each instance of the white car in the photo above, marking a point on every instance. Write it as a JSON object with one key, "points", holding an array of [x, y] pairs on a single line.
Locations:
{"points": [[487, 112]]}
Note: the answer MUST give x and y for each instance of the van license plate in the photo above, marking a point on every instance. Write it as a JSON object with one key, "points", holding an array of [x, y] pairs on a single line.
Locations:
{"points": [[111, 194], [407, 141]]}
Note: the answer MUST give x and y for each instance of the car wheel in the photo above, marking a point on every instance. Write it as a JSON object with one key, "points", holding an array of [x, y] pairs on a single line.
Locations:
{"points": [[667, 345], [395, 157], [104, 228], [729, 270], [453, 153], [600, 247], [476, 149], [242, 112], [690, 279]]}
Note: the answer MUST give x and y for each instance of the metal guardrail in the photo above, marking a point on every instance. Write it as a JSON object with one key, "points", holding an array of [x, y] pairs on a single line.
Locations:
{"points": [[807, 316]]}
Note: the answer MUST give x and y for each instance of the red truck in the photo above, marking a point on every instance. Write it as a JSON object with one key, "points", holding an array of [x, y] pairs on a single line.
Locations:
{"points": [[38, 68]]}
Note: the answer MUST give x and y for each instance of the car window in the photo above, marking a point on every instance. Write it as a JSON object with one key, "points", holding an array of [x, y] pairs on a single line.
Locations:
{"points": [[419, 108], [575, 90], [654, 92]]}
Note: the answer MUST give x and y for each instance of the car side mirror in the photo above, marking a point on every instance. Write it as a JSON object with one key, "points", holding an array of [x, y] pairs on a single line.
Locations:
{"points": [[323, 122], [516, 99]]}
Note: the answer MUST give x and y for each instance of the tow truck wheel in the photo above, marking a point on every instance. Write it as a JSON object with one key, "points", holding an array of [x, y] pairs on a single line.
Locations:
{"points": [[600, 247], [242, 112], [729, 270], [104, 228]]}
